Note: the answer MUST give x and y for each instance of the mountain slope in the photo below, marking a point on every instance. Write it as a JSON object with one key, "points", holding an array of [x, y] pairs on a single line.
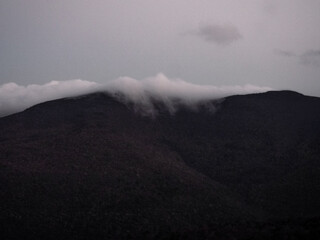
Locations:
{"points": [[258, 144], [93, 166]]}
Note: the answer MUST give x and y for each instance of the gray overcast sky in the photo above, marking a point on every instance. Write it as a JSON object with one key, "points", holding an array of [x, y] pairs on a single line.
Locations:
{"points": [[274, 43]]}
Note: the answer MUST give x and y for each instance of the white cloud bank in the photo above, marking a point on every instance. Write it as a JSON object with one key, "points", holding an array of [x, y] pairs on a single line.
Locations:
{"points": [[14, 98]]}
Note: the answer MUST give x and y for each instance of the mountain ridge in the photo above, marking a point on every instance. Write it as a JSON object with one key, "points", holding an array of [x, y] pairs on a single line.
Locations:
{"points": [[94, 161]]}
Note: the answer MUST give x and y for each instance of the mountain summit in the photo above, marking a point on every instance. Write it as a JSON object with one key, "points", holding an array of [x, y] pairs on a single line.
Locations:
{"points": [[95, 167]]}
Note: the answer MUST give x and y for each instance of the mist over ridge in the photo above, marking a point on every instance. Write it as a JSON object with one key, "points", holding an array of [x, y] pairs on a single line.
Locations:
{"points": [[170, 92]]}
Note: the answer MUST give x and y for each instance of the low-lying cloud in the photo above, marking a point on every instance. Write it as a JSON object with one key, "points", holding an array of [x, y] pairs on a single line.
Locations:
{"points": [[14, 97], [172, 92], [219, 34]]}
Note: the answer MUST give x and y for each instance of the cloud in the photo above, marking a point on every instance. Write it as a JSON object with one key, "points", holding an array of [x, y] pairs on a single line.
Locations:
{"points": [[14, 97], [311, 58], [172, 92], [219, 34], [269, 7], [284, 53], [164, 87], [308, 58], [142, 93]]}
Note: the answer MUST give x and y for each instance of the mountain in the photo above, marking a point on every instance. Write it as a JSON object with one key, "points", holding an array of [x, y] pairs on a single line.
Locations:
{"points": [[94, 167]]}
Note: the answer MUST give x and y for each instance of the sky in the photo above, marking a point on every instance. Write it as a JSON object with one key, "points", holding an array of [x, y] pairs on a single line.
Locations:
{"points": [[219, 43]]}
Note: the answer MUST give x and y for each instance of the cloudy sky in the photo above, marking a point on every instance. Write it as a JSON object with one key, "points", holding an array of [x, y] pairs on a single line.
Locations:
{"points": [[270, 43]]}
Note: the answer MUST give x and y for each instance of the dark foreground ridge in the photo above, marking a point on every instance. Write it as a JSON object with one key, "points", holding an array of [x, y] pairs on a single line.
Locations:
{"points": [[93, 168]]}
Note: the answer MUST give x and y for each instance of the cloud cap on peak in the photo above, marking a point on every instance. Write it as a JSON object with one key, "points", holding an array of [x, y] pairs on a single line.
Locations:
{"points": [[14, 97], [163, 87]]}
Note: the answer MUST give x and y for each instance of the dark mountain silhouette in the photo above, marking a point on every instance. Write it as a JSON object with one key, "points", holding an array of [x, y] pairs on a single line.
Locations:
{"points": [[92, 167]]}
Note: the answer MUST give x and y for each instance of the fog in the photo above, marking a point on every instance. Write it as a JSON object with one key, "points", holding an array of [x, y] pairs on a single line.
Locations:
{"points": [[14, 97], [172, 92]]}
